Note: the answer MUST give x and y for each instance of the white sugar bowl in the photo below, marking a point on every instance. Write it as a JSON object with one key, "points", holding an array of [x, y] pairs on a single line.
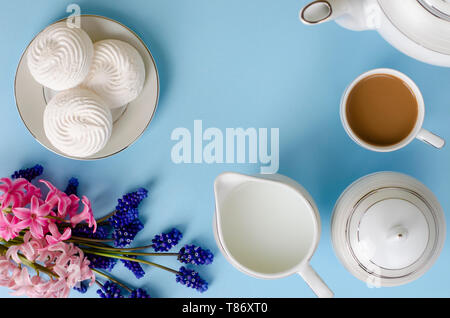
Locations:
{"points": [[388, 229]]}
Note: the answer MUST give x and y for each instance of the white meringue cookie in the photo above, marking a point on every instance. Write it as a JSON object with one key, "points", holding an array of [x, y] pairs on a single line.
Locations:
{"points": [[78, 122], [117, 73], [60, 57]]}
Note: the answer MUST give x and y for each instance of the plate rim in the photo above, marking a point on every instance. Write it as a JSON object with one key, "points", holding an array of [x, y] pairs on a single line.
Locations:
{"points": [[140, 134]]}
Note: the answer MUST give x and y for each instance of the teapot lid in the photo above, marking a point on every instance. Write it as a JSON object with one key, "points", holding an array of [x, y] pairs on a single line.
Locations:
{"points": [[388, 229], [426, 22]]}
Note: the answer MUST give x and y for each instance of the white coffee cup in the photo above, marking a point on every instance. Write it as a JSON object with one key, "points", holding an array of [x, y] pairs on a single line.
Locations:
{"points": [[417, 132]]}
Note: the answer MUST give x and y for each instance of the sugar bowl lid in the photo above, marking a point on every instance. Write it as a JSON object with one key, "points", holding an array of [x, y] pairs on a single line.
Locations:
{"points": [[388, 229]]}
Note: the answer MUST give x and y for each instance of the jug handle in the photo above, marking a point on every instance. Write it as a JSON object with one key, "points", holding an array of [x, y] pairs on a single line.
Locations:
{"points": [[321, 11], [316, 283]]}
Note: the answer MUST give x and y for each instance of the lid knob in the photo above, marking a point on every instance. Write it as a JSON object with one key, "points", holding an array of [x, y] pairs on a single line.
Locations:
{"points": [[398, 234]]}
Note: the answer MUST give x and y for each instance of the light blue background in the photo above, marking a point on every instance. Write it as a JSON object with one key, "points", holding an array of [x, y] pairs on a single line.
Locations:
{"points": [[234, 63]]}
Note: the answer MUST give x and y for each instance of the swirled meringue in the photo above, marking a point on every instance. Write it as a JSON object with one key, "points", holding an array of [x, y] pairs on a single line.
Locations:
{"points": [[60, 57], [117, 73], [78, 122]]}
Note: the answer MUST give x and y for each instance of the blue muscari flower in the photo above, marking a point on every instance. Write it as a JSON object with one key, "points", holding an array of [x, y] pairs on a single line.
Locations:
{"points": [[131, 200], [191, 279], [165, 241], [72, 186], [126, 209], [85, 231], [191, 254], [110, 290], [134, 267], [28, 174], [139, 293], [123, 218], [101, 262], [124, 236], [81, 287]]}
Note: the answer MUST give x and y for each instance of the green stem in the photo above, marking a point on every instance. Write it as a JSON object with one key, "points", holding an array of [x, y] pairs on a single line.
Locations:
{"points": [[99, 247], [137, 248], [111, 279], [14, 241], [125, 251], [37, 267], [87, 251], [75, 239], [58, 219], [3, 249], [106, 217], [99, 284], [142, 254], [130, 248]]}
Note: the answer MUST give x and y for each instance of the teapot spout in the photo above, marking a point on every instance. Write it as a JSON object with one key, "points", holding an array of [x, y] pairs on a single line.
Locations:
{"points": [[225, 183], [350, 14], [322, 11]]}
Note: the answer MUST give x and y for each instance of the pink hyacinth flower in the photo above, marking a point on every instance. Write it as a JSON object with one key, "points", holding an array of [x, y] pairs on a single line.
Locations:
{"points": [[34, 217], [21, 283], [6, 270], [31, 191], [86, 215], [72, 210], [58, 289], [70, 264], [64, 253], [30, 248], [41, 288], [12, 192], [9, 226], [35, 286], [55, 197], [56, 236], [65, 260]]}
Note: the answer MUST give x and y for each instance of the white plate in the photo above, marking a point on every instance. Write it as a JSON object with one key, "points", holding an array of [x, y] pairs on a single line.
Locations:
{"points": [[128, 127]]}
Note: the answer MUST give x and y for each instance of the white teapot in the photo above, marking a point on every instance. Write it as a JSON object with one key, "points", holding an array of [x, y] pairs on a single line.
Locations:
{"points": [[418, 28]]}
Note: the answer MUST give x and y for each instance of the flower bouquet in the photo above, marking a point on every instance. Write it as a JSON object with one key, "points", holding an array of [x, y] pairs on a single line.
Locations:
{"points": [[51, 243]]}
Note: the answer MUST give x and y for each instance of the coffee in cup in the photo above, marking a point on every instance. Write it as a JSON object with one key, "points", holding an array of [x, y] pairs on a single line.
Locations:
{"points": [[383, 110]]}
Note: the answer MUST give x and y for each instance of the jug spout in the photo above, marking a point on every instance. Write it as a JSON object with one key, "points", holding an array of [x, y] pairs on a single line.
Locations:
{"points": [[349, 13], [225, 183]]}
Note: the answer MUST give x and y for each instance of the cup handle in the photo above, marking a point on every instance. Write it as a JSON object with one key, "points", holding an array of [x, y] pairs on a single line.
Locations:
{"points": [[316, 283], [430, 138]]}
